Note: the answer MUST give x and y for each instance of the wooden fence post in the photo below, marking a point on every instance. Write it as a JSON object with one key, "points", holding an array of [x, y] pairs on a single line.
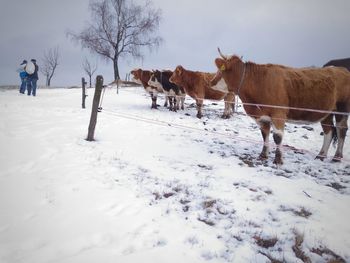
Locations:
{"points": [[94, 110], [83, 83]]}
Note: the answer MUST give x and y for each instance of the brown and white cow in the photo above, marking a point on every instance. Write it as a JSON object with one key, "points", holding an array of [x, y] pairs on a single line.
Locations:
{"points": [[142, 77], [197, 85], [323, 90]]}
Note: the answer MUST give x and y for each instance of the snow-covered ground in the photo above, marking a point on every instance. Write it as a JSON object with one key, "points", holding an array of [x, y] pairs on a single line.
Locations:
{"points": [[159, 186]]}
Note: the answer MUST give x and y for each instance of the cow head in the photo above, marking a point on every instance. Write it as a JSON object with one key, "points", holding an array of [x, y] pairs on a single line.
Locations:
{"points": [[229, 68], [136, 75], [155, 79], [226, 63], [176, 77]]}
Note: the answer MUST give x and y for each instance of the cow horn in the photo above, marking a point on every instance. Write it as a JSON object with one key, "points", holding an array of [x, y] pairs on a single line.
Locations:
{"points": [[224, 57]]}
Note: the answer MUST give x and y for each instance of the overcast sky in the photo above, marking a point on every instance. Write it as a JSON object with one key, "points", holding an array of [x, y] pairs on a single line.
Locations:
{"points": [[295, 33]]}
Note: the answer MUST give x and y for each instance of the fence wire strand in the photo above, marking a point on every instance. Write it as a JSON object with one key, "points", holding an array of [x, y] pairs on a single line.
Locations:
{"points": [[207, 131], [239, 103]]}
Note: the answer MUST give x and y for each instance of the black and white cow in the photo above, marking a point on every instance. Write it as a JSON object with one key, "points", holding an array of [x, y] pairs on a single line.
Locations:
{"points": [[343, 62], [173, 92]]}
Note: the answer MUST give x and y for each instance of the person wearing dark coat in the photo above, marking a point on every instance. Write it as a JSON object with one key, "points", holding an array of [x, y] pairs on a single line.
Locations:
{"points": [[32, 79]]}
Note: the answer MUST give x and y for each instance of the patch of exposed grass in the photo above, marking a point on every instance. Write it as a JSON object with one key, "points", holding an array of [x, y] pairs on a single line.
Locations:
{"points": [[336, 186], [206, 221], [302, 211], [299, 253], [322, 250], [265, 243]]}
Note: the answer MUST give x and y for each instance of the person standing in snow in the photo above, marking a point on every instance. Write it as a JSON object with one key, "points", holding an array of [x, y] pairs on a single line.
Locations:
{"points": [[32, 79], [23, 75]]}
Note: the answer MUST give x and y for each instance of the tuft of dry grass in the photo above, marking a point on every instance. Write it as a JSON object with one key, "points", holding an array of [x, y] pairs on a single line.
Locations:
{"points": [[299, 253], [302, 212], [209, 204], [206, 221], [322, 250], [265, 243]]}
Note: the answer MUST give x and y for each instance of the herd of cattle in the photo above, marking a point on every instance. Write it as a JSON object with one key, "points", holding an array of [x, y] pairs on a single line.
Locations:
{"points": [[271, 94]]}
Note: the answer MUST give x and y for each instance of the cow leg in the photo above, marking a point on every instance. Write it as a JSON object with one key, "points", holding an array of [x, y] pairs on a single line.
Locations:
{"points": [[229, 98], [177, 99], [155, 94], [328, 134], [154, 103], [182, 102], [166, 101], [154, 99], [265, 127], [278, 130], [172, 103], [199, 103], [342, 127], [176, 104]]}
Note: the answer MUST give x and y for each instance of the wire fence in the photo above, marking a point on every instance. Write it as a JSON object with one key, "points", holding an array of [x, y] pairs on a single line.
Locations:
{"points": [[207, 131], [240, 103], [266, 105]]}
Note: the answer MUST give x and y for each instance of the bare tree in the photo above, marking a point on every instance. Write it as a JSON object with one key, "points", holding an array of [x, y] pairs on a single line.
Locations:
{"points": [[120, 28], [50, 63], [89, 68]]}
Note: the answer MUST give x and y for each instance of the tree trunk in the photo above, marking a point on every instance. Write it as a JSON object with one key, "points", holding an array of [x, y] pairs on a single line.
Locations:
{"points": [[49, 82], [116, 68], [90, 80]]}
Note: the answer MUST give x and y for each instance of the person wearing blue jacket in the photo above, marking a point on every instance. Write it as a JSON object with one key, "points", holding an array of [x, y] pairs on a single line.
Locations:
{"points": [[32, 79], [23, 75]]}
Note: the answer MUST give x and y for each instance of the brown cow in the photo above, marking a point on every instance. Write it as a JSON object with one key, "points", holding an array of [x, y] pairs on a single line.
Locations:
{"points": [[142, 77], [197, 85], [322, 90]]}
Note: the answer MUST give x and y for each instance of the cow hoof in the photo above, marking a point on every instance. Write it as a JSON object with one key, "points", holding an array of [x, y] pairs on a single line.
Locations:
{"points": [[225, 117], [262, 157], [278, 162], [199, 116], [320, 157], [336, 159]]}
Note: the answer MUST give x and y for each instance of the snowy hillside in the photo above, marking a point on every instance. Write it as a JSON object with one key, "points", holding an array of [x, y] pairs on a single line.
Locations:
{"points": [[158, 186]]}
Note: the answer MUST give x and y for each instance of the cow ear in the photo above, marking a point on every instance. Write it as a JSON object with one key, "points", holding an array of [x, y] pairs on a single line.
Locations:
{"points": [[180, 70], [221, 64]]}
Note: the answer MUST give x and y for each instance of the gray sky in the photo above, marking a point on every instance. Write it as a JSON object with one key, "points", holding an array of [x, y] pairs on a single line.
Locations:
{"points": [[295, 33]]}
